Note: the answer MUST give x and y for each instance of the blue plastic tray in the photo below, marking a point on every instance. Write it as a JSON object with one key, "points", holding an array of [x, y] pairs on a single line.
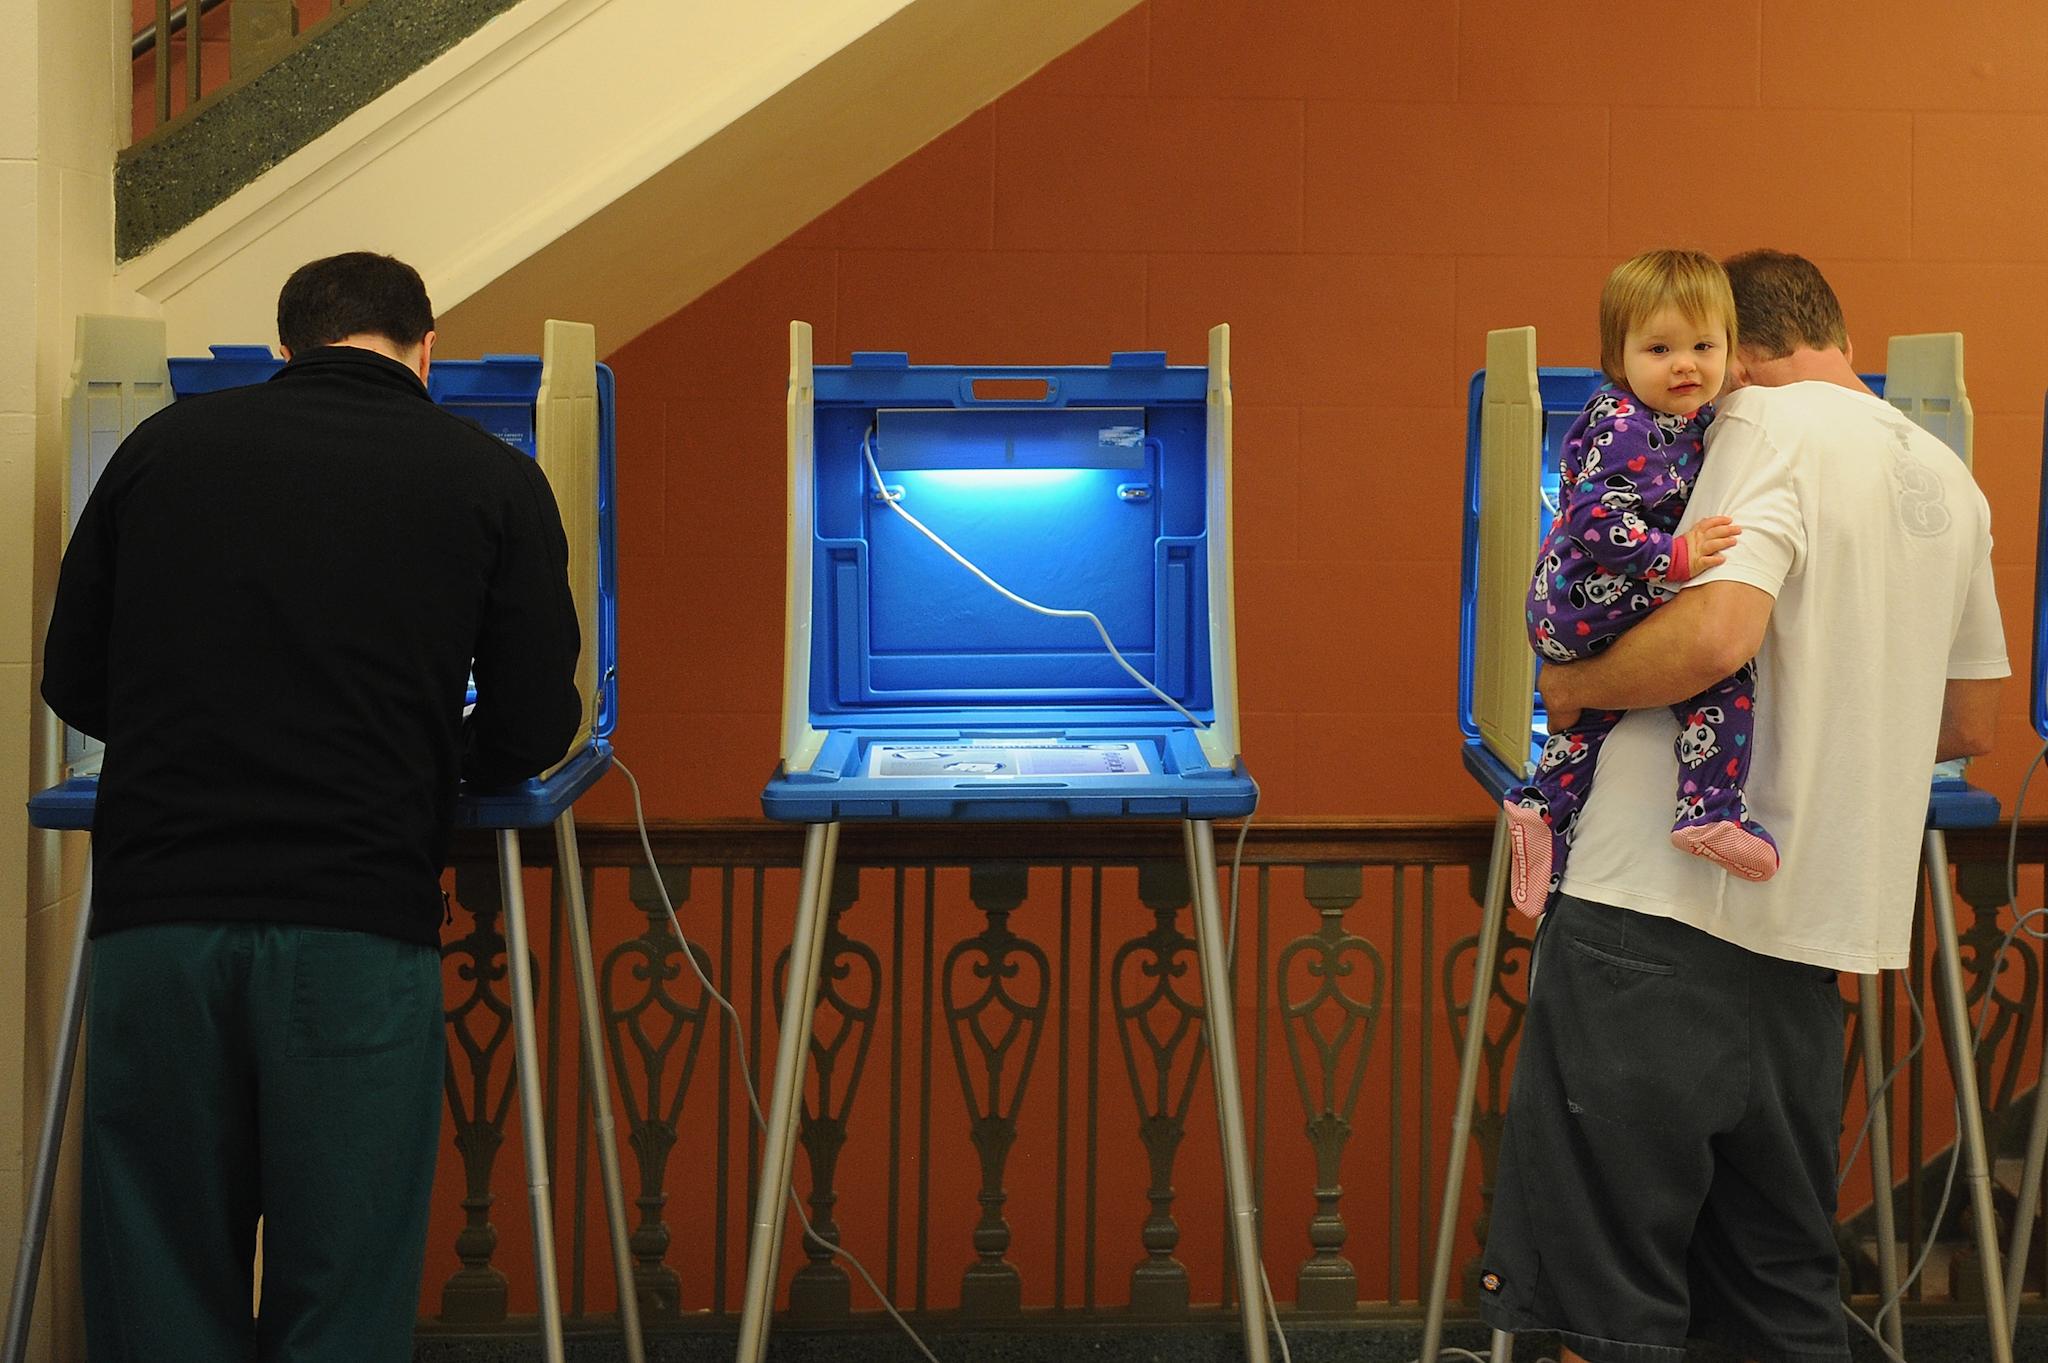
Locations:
{"points": [[1181, 785], [530, 804]]}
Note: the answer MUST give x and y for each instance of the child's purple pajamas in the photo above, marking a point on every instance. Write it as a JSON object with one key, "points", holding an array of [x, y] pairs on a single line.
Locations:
{"points": [[1625, 474]]}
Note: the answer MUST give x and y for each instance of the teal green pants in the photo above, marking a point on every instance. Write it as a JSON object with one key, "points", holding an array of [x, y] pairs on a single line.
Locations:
{"points": [[238, 1070]]}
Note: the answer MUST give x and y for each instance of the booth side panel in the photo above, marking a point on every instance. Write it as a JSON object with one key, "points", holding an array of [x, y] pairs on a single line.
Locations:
{"points": [[800, 742], [608, 552], [1924, 379], [1220, 739], [120, 376], [1468, 559], [1511, 457], [565, 446], [2039, 702]]}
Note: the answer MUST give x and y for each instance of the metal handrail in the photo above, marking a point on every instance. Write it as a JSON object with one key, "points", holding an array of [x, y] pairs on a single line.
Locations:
{"points": [[250, 47], [145, 39]]}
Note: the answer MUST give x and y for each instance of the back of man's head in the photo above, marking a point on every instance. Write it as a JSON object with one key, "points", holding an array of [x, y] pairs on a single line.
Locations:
{"points": [[354, 294], [1783, 304]]}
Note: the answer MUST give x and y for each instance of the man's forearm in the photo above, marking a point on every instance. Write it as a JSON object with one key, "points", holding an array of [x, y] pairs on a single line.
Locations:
{"points": [[1969, 718], [1676, 652]]}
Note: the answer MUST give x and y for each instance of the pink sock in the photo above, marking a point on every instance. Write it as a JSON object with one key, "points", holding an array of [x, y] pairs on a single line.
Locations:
{"points": [[1730, 846], [1529, 860]]}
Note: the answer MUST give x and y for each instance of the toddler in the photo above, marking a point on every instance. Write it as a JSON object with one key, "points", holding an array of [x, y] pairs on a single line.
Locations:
{"points": [[1667, 325]]}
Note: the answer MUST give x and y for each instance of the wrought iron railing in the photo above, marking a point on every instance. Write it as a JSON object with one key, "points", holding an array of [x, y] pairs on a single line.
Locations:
{"points": [[1003, 1116]]}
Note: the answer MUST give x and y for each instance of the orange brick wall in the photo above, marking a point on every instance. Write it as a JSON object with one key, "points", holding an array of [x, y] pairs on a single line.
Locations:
{"points": [[1361, 191]]}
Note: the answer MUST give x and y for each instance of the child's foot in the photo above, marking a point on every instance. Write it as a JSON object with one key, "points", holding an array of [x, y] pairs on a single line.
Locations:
{"points": [[1741, 848], [1529, 858]]}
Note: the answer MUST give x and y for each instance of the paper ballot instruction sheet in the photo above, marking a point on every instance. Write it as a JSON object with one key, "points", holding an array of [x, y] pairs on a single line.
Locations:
{"points": [[975, 757]]}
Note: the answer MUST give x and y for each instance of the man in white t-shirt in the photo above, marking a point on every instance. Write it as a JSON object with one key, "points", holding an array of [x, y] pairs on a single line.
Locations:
{"points": [[1668, 1166]]}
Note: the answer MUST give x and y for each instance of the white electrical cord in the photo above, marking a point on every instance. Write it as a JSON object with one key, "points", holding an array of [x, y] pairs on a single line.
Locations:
{"points": [[675, 925], [894, 501], [1237, 861], [1892, 1303], [754, 1097], [1229, 965], [2020, 924], [1884, 1086], [2012, 844], [746, 1073]]}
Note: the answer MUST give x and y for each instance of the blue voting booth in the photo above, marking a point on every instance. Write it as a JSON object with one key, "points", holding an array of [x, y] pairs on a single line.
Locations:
{"points": [[1953, 803], [915, 689], [557, 408], [1517, 418], [503, 395], [915, 682], [2037, 704]]}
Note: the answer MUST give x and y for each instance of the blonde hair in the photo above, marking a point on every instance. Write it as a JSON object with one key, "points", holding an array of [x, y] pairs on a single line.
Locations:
{"points": [[1693, 282]]}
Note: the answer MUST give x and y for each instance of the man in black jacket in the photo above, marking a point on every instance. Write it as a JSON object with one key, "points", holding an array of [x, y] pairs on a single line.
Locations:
{"points": [[268, 610]]}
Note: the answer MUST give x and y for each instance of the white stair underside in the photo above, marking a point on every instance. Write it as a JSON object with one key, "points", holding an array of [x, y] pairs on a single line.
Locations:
{"points": [[604, 159]]}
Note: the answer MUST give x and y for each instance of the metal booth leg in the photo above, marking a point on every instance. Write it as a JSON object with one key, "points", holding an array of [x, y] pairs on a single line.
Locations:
{"points": [[1976, 1167], [2030, 1199], [1485, 965], [35, 1226], [569, 866], [785, 1107], [526, 1059], [1213, 950], [1875, 1093]]}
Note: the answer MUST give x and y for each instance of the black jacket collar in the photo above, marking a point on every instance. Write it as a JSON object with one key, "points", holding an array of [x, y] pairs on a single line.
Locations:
{"points": [[353, 362]]}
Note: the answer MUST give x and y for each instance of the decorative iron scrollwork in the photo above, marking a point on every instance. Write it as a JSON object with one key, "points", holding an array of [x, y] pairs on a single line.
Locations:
{"points": [[650, 1028], [1164, 1045], [995, 987], [479, 1026], [1329, 1032], [849, 994], [1516, 951]]}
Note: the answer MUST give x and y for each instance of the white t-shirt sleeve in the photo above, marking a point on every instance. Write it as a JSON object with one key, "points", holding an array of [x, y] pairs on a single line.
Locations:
{"points": [[1978, 653], [1746, 477]]}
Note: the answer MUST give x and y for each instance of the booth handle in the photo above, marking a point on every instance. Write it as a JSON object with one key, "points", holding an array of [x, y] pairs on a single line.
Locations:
{"points": [[1010, 390]]}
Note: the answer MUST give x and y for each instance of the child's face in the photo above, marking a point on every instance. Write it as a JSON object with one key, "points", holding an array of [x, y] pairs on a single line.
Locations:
{"points": [[1673, 364]]}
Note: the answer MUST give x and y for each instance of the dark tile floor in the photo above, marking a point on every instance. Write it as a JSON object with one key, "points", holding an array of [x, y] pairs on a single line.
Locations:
{"points": [[1929, 1339]]}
